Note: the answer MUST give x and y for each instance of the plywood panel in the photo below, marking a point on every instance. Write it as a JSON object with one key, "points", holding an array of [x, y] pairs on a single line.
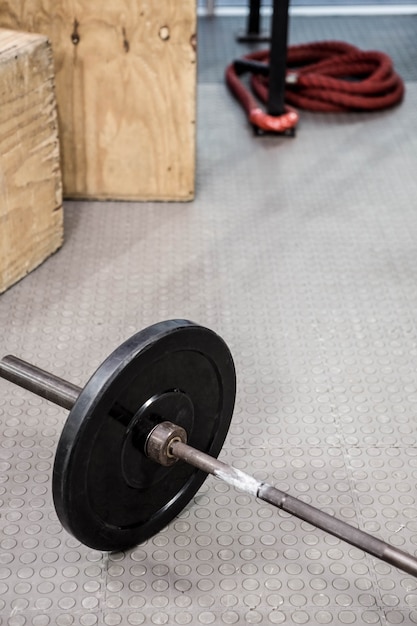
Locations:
{"points": [[125, 79], [31, 221]]}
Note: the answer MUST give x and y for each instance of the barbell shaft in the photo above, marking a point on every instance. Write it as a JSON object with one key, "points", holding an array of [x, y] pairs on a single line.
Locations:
{"points": [[39, 381], [64, 393], [356, 537]]}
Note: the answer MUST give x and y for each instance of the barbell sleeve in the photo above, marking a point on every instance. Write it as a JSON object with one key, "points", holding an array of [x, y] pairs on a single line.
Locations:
{"points": [[39, 381]]}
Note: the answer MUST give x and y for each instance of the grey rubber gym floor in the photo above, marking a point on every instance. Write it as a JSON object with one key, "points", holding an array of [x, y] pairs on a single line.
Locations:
{"points": [[302, 254]]}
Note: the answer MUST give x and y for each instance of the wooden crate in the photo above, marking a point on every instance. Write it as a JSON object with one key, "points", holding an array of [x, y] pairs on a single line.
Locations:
{"points": [[125, 83], [31, 220]]}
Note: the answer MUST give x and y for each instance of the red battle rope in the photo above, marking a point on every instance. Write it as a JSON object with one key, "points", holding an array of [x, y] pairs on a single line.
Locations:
{"points": [[328, 76]]}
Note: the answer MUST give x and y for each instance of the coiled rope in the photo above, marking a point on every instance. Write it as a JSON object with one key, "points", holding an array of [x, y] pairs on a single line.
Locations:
{"points": [[327, 76]]}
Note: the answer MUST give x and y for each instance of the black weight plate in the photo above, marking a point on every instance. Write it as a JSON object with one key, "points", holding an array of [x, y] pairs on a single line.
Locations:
{"points": [[107, 493]]}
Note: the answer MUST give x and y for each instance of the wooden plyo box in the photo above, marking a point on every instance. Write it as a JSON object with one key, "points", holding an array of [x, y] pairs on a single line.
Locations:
{"points": [[31, 216], [125, 85]]}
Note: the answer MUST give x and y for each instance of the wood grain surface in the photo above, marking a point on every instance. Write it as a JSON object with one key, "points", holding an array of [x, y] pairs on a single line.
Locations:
{"points": [[125, 81], [31, 220]]}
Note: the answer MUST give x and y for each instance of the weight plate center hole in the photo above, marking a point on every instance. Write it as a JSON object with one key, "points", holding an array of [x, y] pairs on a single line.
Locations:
{"points": [[139, 471]]}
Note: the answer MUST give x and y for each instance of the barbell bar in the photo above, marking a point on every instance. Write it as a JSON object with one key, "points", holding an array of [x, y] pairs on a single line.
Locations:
{"points": [[144, 390]]}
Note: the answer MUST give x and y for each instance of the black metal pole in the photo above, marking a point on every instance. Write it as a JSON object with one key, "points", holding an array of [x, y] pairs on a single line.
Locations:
{"points": [[254, 17], [278, 57], [253, 27]]}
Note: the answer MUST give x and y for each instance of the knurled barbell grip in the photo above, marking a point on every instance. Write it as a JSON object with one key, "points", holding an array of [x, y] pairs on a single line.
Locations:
{"points": [[302, 510], [334, 526], [38, 381]]}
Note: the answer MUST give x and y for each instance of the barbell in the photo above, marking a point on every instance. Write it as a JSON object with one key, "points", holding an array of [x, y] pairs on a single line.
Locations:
{"points": [[145, 431]]}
